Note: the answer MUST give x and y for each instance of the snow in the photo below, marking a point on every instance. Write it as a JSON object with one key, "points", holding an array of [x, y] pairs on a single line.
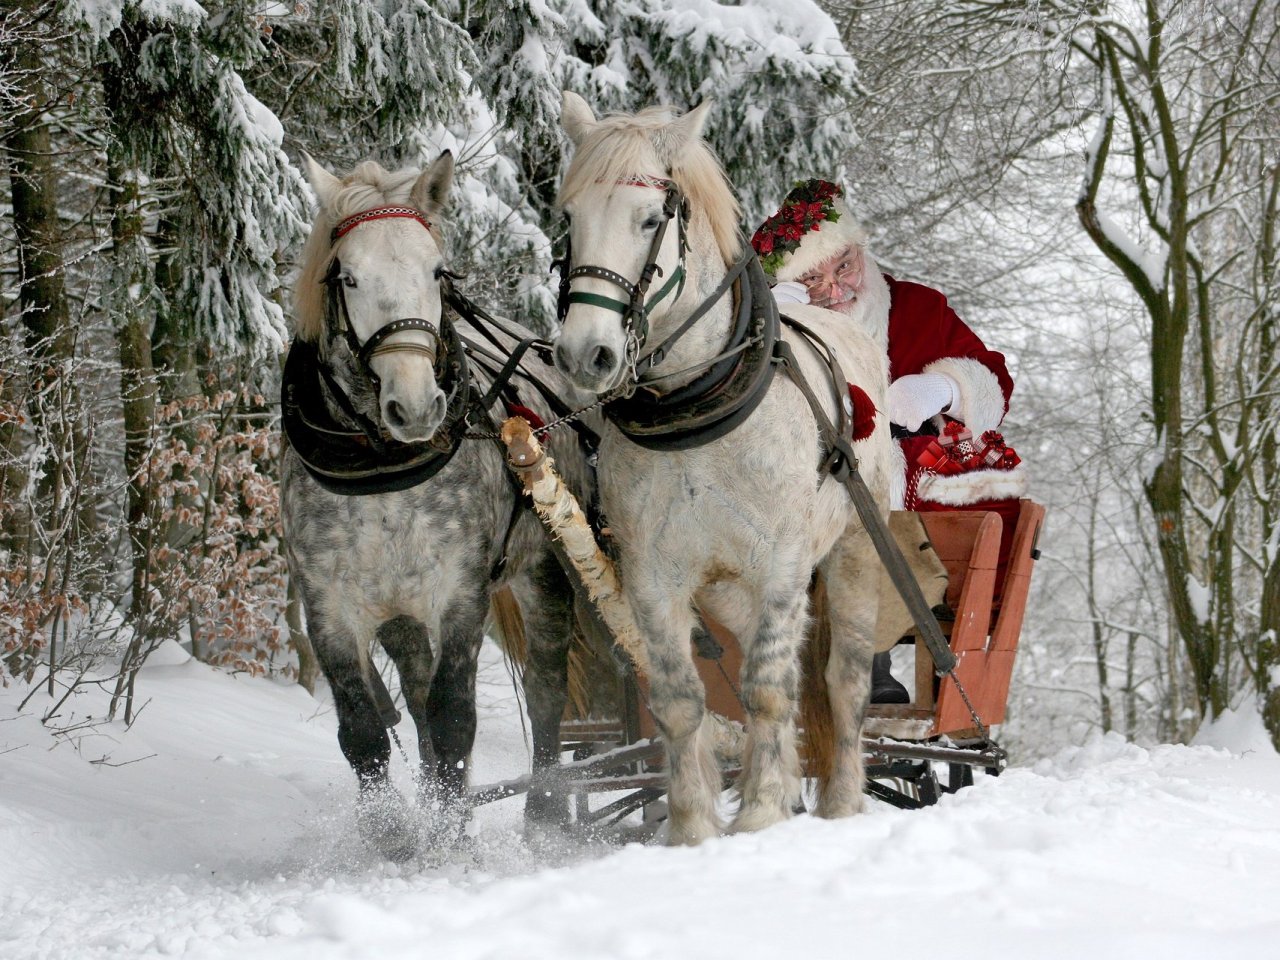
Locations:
{"points": [[1151, 264], [1199, 596], [100, 17], [225, 829]]}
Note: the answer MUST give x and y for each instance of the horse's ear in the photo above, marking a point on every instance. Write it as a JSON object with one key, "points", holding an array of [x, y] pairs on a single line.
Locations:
{"points": [[689, 127], [576, 116], [324, 183], [431, 193]]}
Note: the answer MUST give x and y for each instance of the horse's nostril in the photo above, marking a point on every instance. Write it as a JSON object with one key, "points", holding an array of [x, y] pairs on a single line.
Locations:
{"points": [[438, 406], [562, 358], [395, 414], [602, 360]]}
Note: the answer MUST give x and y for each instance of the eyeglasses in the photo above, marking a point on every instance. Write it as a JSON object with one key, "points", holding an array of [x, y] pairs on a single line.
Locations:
{"points": [[836, 281]]}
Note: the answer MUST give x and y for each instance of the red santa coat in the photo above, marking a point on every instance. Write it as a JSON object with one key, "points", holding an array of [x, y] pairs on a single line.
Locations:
{"points": [[927, 336]]}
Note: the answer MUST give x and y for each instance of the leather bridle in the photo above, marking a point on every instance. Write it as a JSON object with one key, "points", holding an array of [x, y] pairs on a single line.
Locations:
{"points": [[446, 352], [338, 318], [635, 309]]}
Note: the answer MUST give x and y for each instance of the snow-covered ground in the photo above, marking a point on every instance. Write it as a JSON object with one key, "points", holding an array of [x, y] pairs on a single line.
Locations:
{"points": [[221, 825]]}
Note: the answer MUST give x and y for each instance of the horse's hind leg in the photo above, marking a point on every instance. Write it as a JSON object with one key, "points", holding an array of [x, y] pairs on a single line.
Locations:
{"points": [[547, 610], [363, 739], [770, 783], [852, 582]]}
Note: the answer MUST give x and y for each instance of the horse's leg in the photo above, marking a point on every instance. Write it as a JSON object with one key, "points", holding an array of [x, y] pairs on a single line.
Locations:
{"points": [[770, 783], [548, 618], [450, 715], [852, 583], [677, 699], [408, 644], [363, 739]]}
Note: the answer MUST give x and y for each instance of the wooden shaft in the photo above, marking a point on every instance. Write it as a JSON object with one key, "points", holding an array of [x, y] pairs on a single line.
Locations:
{"points": [[559, 510]]}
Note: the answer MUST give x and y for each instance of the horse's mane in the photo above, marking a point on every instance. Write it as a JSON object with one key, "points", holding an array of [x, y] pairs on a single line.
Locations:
{"points": [[618, 143], [368, 185]]}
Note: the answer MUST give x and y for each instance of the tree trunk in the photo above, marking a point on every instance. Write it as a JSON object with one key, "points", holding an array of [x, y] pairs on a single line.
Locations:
{"points": [[49, 336], [133, 306]]}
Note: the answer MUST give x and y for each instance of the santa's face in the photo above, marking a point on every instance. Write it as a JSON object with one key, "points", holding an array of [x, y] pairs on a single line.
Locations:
{"points": [[836, 283]]}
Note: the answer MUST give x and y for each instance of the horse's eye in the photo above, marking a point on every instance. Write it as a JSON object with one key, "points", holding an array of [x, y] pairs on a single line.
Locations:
{"points": [[651, 224], [348, 279], [439, 271]]}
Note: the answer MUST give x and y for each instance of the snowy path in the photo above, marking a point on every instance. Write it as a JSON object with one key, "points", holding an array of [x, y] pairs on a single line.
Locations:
{"points": [[235, 840]]}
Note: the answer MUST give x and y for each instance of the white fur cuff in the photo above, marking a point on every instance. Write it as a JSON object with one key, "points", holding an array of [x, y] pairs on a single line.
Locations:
{"points": [[959, 489], [980, 404]]}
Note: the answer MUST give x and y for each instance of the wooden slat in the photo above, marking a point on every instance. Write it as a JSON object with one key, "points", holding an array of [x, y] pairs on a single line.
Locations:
{"points": [[974, 585], [1017, 583]]}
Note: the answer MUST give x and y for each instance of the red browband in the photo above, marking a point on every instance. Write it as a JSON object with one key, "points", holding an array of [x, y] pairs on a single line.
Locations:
{"points": [[377, 213], [644, 180]]}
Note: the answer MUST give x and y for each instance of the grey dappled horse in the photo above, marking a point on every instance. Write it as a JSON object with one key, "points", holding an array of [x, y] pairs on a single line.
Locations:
{"points": [[736, 525], [415, 568]]}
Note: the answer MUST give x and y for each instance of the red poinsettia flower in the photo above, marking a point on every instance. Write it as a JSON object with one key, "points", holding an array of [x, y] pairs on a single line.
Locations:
{"points": [[804, 209]]}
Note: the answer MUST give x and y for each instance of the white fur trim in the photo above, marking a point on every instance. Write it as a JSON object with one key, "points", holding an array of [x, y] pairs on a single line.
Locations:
{"points": [[980, 405], [897, 476], [959, 489], [818, 247]]}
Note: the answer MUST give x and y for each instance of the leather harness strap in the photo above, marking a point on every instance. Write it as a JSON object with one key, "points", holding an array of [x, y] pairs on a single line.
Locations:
{"points": [[841, 462]]}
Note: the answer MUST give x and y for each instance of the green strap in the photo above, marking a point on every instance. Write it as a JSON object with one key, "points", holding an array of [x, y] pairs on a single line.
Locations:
{"points": [[596, 300], [677, 276], [622, 307]]}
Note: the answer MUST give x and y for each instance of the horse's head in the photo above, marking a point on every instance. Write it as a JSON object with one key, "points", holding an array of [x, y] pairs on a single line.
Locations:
{"points": [[630, 193], [369, 291]]}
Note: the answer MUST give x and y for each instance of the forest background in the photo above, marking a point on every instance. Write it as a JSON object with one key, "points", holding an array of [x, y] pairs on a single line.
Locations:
{"points": [[1094, 185]]}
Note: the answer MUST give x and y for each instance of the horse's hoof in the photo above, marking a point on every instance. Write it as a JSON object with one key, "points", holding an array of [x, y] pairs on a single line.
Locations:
{"points": [[385, 823], [546, 808], [690, 832], [754, 818], [444, 818]]}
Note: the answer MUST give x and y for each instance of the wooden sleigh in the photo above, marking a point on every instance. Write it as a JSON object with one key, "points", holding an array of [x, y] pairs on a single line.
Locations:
{"points": [[905, 746]]}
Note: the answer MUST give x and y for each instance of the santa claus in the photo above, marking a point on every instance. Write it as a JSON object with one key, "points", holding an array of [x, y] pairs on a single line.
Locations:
{"points": [[947, 393]]}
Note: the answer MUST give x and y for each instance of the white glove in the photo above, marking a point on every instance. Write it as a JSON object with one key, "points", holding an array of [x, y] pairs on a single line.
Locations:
{"points": [[788, 291], [915, 398]]}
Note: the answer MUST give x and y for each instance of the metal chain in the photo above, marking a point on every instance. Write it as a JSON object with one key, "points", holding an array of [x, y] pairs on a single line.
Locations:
{"points": [[548, 427], [982, 727]]}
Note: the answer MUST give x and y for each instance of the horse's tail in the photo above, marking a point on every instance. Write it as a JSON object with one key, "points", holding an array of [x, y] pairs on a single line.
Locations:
{"points": [[506, 625], [579, 706], [815, 697]]}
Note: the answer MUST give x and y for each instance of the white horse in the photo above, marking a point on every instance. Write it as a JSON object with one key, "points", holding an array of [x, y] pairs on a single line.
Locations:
{"points": [[736, 525]]}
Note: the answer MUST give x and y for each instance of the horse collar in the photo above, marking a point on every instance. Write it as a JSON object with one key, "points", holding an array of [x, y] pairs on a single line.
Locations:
{"points": [[728, 392]]}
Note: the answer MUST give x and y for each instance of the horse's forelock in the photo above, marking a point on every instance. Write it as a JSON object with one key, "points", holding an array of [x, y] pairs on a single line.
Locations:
{"points": [[619, 143], [368, 185]]}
